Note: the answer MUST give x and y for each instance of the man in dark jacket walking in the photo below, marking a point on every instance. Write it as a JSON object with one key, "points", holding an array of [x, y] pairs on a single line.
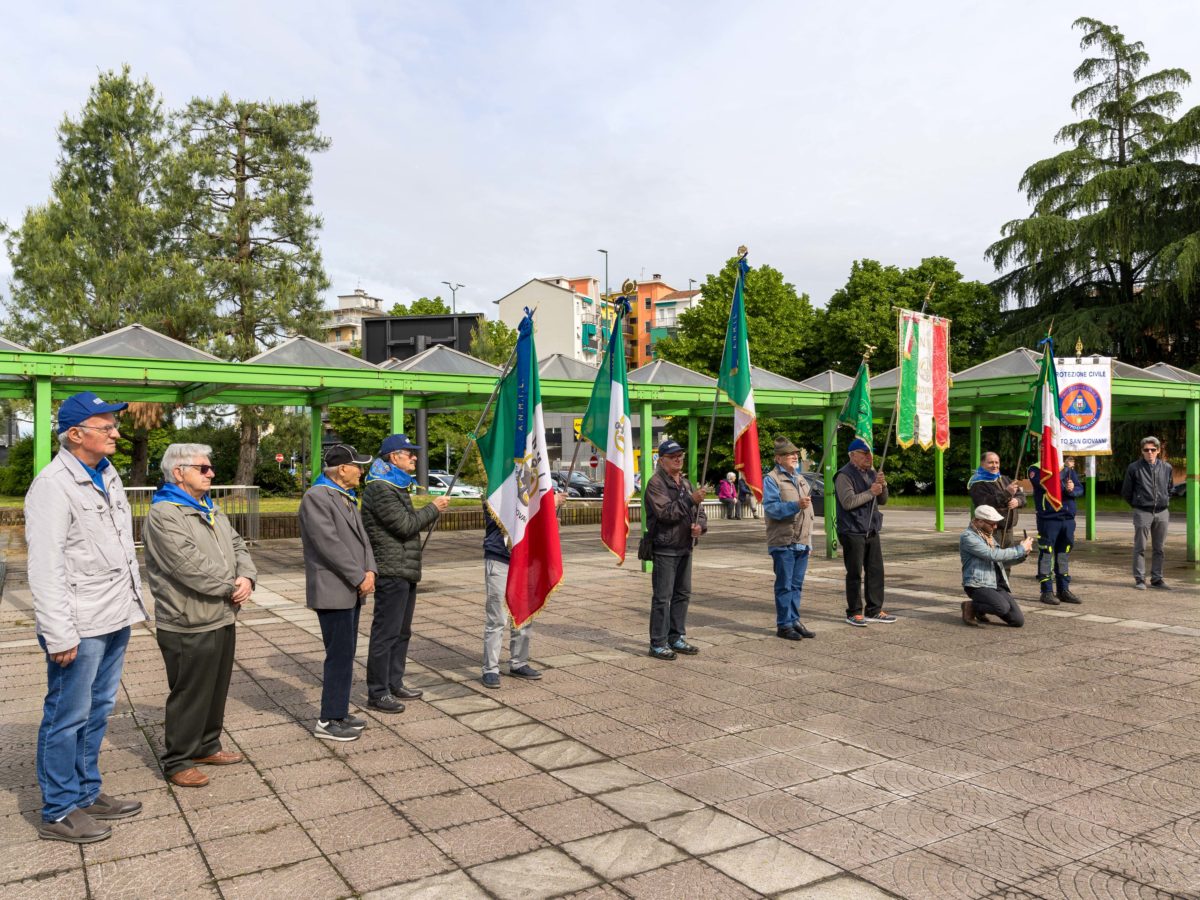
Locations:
{"points": [[1147, 488], [860, 491], [675, 517], [394, 528], [339, 572], [1056, 533]]}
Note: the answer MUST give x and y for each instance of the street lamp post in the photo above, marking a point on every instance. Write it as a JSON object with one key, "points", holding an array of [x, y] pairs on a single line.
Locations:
{"points": [[605, 252], [453, 295]]}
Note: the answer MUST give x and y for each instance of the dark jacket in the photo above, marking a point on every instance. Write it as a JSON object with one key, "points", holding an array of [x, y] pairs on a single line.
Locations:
{"points": [[852, 490], [495, 545], [395, 529], [337, 554], [1148, 486], [995, 494], [670, 513], [1042, 507]]}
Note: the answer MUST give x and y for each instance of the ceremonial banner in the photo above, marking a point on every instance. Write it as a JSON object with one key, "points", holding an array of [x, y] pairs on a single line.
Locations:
{"points": [[520, 494], [923, 392], [1044, 424], [606, 424], [1085, 403], [856, 411], [734, 380]]}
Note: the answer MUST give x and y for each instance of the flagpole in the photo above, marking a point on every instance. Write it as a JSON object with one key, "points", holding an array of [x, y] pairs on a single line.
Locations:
{"points": [[471, 438], [712, 419], [1028, 428]]}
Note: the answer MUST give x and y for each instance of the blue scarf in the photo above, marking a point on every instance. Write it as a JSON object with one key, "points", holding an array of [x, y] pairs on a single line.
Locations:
{"points": [[982, 474], [322, 481], [381, 470], [177, 496]]}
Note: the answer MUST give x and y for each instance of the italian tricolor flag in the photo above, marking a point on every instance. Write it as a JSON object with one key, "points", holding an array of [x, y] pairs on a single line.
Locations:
{"points": [[923, 394], [735, 382], [520, 493], [1044, 425], [606, 424]]}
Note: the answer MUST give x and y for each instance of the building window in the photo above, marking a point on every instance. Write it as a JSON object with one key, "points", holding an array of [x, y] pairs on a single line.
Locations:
{"points": [[648, 303], [649, 349]]}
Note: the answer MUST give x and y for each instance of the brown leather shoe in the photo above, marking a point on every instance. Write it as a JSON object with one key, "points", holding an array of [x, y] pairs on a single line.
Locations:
{"points": [[968, 614], [107, 807], [220, 758], [188, 778], [77, 827]]}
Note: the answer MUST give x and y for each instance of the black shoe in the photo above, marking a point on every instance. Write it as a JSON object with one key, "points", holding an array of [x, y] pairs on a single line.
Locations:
{"points": [[802, 631], [491, 680], [679, 645], [387, 703], [528, 672], [788, 633], [1159, 586], [107, 807], [76, 827], [1066, 596], [1049, 599], [354, 722], [407, 693], [662, 653], [336, 730]]}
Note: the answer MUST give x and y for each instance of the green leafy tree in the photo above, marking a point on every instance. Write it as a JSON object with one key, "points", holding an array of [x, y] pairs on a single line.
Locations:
{"points": [[253, 231], [862, 313], [778, 319], [493, 342], [422, 306], [1106, 208]]}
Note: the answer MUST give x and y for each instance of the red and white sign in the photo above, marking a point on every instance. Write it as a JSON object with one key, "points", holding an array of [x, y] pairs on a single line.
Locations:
{"points": [[278, 457], [594, 461]]}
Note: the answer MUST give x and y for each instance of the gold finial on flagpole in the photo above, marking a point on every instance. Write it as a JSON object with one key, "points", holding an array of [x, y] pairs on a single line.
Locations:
{"points": [[870, 348], [1078, 347], [742, 250]]}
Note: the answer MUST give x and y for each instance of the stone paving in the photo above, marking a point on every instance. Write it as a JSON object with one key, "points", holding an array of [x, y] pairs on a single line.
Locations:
{"points": [[922, 759]]}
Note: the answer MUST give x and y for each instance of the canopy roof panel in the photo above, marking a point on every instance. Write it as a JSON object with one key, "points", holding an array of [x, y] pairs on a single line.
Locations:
{"points": [[766, 380], [1174, 373], [668, 373], [10, 345], [565, 368], [828, 381], [136, 342], [303, 351], [442, 360]]}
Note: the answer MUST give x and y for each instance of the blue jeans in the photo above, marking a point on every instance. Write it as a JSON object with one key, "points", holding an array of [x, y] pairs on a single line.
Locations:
{"points": [[790, 566], [79, 699]]}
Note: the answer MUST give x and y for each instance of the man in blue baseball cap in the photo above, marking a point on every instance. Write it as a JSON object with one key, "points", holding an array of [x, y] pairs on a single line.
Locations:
{"points": [[87, 593], [394, 527], [860, 491]]}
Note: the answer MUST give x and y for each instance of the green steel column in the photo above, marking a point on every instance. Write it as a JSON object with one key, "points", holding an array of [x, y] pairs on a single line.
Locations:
{"points": [[830, 467], [1089, 491], [1193, 480], [939, 489], [976, 438], [316, 437], [693, 451], [397, 412], [645, 425], [43, 430]]}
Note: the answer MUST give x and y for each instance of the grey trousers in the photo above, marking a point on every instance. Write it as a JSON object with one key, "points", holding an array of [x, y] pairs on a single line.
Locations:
{"points": [[199, 666], [495, 578], [1152, 525]]}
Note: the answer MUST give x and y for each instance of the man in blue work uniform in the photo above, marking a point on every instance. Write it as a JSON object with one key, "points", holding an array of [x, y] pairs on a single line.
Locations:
{"points": [[1056, 533]]}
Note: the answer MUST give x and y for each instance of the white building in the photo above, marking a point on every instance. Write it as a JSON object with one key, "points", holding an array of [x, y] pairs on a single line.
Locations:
{"points": [[571, 318], [343, 326]]}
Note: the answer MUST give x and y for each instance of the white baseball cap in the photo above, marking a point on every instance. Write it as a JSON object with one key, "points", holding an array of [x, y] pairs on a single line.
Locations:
{"points": [[988, 514]]}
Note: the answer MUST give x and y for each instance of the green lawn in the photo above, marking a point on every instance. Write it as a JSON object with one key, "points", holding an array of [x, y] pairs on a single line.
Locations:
{"points": [[1104, 503], [269, 504]]}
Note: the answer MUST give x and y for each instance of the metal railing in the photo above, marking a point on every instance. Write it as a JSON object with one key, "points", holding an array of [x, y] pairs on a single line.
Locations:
{"points": [[238, 501]]}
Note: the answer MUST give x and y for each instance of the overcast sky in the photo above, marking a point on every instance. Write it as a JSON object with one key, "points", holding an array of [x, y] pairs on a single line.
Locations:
{"points": [[490, 142]]}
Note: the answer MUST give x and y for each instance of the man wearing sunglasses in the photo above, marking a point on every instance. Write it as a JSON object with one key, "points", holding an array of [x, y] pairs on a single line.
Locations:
{"points": [[1147, 488], [83, 574], [200, 574]]}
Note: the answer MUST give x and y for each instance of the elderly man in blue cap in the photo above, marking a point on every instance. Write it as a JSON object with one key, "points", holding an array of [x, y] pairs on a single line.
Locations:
{"points": [[395, 528], [87, 593], [860, 491]]}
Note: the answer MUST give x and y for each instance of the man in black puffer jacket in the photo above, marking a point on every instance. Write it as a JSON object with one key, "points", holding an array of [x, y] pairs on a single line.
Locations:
{"points": [[1147, 488], [394, 528]]}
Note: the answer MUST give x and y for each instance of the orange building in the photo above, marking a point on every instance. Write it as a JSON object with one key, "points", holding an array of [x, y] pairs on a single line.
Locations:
{"points": [[642, 320]]}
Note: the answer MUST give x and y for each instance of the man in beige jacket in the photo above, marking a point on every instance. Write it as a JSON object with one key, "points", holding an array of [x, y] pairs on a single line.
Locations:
{"points": [[200, 574]]}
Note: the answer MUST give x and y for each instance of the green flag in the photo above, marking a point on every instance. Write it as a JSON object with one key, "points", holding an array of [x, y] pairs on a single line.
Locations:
{"points": [[857, 410]]}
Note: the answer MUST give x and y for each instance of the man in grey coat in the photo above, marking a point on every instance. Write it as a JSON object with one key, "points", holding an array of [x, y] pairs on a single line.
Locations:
{"points": [[200, 574], [339, 572], [1147, 488], [87, 593]]}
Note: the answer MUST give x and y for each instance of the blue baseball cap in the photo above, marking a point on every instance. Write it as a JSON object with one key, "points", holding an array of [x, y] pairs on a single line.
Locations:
{"points": [[78, 408], [666, 448], [394, 442], [859, 444]]}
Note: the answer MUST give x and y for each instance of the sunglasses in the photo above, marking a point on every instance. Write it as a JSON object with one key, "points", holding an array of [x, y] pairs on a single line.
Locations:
{"points": [[204, 469], [1149, 449]]}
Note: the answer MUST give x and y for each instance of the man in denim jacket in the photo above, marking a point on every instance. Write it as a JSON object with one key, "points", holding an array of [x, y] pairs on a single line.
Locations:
{"points": [[984, 578]]}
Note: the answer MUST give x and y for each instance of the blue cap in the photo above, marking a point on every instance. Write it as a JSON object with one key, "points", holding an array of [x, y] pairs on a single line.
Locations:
{"points": [[859, 444], [394, 442], [78, 408], [666, 448]]}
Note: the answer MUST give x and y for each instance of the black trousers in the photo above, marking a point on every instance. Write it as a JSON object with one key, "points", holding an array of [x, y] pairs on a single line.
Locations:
{"points": [[672, 584], [996, 603], [391, 630], [199, 665], [339, 630], [863, 556]]}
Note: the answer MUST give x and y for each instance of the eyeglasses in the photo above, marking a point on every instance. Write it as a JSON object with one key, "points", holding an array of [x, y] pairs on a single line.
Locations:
{"points": [[204, 469], [1149, 449], [107, 429]]}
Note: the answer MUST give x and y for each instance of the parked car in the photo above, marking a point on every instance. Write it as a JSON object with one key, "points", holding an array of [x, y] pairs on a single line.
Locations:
{"points": [[583, 484], [816, 484], [438, 485]]}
